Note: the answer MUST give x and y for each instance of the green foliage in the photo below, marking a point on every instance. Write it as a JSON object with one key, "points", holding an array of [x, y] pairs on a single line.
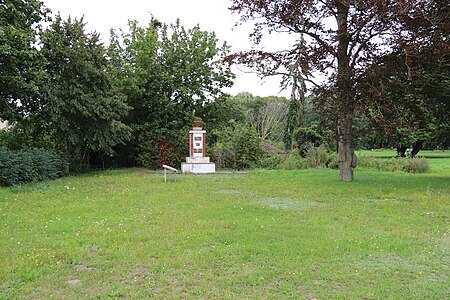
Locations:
{"points": [[295, 80], [333, 161], [238, 146], [410, 165], [292, 122], [5, 138], [312, 135], [247, 147], [21, 64], [293, 162], [269, 120], [218, 114], [270, 162], [162, 148], [391, 165], [30, 165], [167, 72], [83, 107], [317, 157], [266, 114], [417, 165]]}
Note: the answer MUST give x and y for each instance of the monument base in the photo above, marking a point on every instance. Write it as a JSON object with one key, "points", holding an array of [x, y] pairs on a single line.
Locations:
{"points": [[198, 165]]}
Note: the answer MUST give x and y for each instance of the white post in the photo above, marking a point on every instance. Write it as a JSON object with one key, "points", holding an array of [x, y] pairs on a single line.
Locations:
{"points": [[166, 167]]}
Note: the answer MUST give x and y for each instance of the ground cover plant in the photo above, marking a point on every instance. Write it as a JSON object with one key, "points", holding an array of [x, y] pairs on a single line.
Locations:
{"points": [[387, 160], [389, 153], [265, 234]]}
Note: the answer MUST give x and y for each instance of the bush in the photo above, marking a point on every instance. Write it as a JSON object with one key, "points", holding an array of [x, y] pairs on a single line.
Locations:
{"points": [[317, 157], [293, 162], [270, 162], [381, 164], [224, 158], [162, 147], [410, 165], [333, 161], [30, 165], [237, 146], [417, 165], [307, 137], [248, 148]]}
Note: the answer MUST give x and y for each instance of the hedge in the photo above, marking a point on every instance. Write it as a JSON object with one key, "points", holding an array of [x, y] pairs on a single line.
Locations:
{"points": [[30, 165]]}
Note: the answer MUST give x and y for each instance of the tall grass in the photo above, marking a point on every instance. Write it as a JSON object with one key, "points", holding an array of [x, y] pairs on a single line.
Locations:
{"points": [[317, 157], [410, 165]]}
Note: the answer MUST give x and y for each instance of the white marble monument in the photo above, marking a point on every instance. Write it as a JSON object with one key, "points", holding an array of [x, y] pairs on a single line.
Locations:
{"points": [[197, 162]]}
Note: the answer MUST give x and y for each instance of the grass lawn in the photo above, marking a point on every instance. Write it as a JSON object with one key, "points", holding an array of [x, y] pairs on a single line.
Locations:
{"points": [[257, 235]]}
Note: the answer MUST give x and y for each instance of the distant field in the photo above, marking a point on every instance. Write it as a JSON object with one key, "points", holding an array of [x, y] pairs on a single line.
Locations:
{"points": [[257, 235]]}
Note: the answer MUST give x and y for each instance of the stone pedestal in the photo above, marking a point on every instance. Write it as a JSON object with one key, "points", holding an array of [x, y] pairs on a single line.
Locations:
{"points": [[198, 167]]}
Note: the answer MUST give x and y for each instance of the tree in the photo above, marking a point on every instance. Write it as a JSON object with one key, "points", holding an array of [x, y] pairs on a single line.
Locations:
{"points": [[21, 65], [168, 73], [405, 94], [266, 114], [219, 113], [425, 45], [294, 80], [236, 146], [400, 112], [361, 32], [269, 120], [83, 108]]}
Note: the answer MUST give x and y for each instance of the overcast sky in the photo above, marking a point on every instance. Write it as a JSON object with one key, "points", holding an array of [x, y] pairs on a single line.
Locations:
{"points": [[212, 15]]}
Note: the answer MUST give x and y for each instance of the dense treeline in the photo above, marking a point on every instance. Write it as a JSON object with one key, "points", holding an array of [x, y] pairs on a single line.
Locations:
{"points": [[127, 104], [132, 102]]}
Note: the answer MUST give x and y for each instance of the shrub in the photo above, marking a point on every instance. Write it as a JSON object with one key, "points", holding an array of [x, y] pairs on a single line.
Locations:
{"points": [[333, 161], [410, 165], [312, 135], [417, 165], [270, 162], [30, 165], [248, 148], [153, 148], [237, 146], [224, 158], [390, 165], [293, 162], [317, 157]]}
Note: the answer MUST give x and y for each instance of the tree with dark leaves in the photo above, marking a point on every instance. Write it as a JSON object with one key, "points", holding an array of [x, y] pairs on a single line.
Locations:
{"points": [[344, 37]]}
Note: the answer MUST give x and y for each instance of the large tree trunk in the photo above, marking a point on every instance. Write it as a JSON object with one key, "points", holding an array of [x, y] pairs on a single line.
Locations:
{"points": [[401, 151], [347, 157], [416, 148], [345, 97]]}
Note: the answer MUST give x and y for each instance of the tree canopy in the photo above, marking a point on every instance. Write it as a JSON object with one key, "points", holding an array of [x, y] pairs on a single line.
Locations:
{"points": [[21, 63], [83, 109]]}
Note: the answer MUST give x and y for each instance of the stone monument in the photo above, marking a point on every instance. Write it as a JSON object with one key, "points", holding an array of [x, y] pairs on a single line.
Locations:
{"points": [[197, 162]]}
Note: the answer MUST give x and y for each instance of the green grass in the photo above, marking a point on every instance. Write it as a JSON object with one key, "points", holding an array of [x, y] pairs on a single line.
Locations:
{"points": [[257, 235]]}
